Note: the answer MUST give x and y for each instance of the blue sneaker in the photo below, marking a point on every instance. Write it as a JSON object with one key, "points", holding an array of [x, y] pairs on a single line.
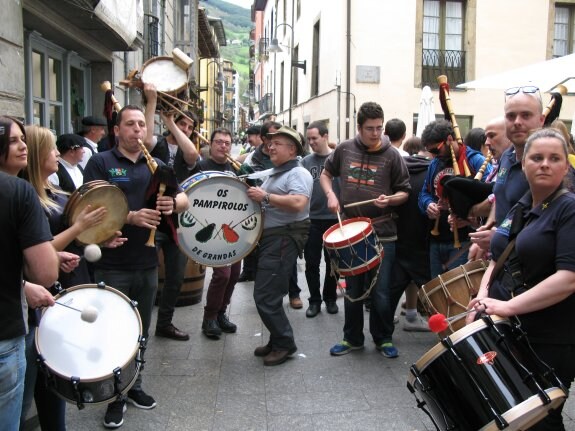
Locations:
{"points": [[343, 348], [388, 350]]}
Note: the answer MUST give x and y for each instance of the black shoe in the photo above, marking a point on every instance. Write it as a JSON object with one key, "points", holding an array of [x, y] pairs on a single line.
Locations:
{"points": [[141, 399], [246, 276], [225, 324], [172, 332], [331, 307], [114, 417], [313, 309], [211, 329]]}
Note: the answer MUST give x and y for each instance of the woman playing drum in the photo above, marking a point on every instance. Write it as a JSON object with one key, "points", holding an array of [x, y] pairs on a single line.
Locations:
{"points": [[537, 280]]}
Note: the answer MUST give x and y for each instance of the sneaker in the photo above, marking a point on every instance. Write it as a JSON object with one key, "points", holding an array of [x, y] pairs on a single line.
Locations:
{"points": [[114, 417], [141, 399], [388, 350], [225, 324], [417, 325], [343, 348]]}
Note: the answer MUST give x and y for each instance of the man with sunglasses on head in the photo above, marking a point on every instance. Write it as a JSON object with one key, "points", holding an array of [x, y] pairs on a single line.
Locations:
{"points": [[439, 139], [523, 114], [369, 168]]}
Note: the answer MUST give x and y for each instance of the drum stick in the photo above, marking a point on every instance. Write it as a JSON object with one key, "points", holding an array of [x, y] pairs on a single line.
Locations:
{"points": [[181, 112], [356, 204], [340, 223]]}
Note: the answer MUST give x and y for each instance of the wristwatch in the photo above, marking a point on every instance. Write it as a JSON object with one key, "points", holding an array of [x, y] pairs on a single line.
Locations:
{"points": [[266, 199]]}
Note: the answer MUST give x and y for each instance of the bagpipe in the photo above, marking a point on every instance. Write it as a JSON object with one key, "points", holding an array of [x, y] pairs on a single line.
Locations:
{"points": [[163, 181]]}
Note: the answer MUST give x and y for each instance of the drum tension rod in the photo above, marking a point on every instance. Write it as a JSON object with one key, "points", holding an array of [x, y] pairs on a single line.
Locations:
{"points": [[75, 382], [117, 380]]}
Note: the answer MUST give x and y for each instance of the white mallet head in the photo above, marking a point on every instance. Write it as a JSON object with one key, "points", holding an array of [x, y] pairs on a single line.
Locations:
{"points": [[89, 314], [92, 253]]}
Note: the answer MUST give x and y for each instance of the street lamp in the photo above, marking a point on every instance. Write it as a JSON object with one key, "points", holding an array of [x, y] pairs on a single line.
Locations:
{"points": [[275, 48]]}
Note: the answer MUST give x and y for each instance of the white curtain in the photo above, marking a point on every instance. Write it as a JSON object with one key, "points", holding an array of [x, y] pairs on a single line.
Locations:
{"points": [[560, 46], [431, 30]]}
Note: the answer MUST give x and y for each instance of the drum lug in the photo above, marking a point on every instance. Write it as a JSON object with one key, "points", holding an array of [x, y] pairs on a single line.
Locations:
{"points": [[75, 382], [117, 380], [133, 303], [58, 287], [140, 357], [101, 285]]}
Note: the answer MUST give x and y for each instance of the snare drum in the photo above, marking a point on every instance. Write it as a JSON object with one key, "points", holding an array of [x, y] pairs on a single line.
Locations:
{"points": [[450, 292], [168, 78], [488, 379], [98, 194], [222, 224], [90, 362], [353, 247]]}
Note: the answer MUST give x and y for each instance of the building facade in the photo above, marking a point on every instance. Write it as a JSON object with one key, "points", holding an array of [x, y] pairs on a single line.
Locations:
{"points": [[333, 55]]}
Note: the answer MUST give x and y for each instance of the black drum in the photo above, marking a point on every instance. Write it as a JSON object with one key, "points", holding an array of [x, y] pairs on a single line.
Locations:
{"points": [[485, 377]]}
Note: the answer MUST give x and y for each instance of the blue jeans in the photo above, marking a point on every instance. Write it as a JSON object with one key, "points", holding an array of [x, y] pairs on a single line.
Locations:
{"points": [[175, 262], [441, 253], [12, 372], [381, 315], [313, 251]]}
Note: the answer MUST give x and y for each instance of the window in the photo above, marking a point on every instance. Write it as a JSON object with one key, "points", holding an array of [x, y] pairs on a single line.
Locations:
{"points": [[315, 61], [47, 81], [443, 41], [182, 20], [563, 40]]}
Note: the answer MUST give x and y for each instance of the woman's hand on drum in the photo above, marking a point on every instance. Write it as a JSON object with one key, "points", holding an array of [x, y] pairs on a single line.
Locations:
{"points": [[68, 261], [37, 296], [116, 241], [488, 306], [145, 217], [90, 217]]}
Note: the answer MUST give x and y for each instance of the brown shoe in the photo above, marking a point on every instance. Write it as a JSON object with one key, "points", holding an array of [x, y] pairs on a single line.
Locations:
{"points": [[276, 357], [264, 350], [295, 303], [172, 332]]}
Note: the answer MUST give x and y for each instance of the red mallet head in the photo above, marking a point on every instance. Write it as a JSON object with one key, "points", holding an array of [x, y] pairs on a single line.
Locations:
{"points": [[438, 323]]}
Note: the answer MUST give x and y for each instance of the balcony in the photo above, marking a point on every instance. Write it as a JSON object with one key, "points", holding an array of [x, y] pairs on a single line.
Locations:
{"points": [[265, 103], [263, 48], [437, 62]]}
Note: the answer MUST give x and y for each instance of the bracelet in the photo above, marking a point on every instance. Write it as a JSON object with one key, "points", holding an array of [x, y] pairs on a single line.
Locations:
{"points": [[266, 199]]}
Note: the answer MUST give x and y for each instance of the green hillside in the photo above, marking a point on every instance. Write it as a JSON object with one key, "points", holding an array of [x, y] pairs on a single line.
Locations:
{"points": [[237, 25]]}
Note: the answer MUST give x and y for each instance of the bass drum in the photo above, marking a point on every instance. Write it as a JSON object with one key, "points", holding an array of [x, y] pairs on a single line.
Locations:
{"points": [[222, 224], [90, 362], [485, 377]]}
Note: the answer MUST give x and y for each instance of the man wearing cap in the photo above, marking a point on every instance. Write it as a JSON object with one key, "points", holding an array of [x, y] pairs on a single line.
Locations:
{"points": [[93, 129], [284, 196], [70, 175]]}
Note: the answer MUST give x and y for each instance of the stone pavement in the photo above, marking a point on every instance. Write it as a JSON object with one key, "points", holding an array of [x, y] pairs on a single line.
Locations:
{"points": [[203, 384]]}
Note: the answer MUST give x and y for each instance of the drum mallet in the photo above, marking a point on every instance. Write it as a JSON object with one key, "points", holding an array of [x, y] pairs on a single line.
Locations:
{"points": [[439, 323], [88, 314]]}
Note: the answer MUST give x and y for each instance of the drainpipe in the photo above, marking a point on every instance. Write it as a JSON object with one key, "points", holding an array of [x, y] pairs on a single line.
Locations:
{"points": [[348, 68]]}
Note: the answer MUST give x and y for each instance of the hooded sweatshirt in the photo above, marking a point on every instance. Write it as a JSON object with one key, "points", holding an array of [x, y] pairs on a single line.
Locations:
{"points": [[366, 175]]}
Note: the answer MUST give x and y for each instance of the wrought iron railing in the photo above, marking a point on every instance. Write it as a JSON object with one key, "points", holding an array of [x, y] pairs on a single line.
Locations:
{"points": [[265, 103], [263, 48], [437, 62]]}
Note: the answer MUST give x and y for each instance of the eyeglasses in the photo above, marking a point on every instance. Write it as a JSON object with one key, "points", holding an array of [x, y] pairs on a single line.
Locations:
{"points": [[378, 129], [527, 89], [436, 150], [222, 142]]}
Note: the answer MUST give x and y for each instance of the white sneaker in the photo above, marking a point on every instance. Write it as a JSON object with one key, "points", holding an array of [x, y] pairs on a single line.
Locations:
{"points": [[417, 325]]}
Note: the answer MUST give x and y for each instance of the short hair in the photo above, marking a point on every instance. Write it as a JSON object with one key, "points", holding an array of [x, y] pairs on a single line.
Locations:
{"points": [[546, 133], [395, 129], [320, 126], [436, 132], [369, 111], [124, 109], [6, 122], [221, 130], [265, 129], [413, 145], [475, 138]]}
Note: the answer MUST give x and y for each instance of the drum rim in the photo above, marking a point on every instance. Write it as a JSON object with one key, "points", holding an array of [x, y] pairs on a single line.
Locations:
{"points": [[475, 266], [72, 206], [215, 174], [438, 349], [357, 237], [132, 357], [557, 395]]}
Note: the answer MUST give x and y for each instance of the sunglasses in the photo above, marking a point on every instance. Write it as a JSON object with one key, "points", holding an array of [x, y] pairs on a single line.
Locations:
{"points": [[527, 89], [435, 150]]}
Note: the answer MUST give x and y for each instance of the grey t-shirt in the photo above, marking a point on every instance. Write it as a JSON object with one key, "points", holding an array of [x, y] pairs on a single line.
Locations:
{"points": [[314, 163]]}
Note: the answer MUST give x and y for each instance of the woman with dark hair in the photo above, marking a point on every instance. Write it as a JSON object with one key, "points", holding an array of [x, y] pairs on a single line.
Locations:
{"points": [[13, 150], [476, 139]]}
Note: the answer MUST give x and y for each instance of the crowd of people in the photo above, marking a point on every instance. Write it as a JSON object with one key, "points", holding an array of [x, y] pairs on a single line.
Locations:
{"points": [[310, 185]]}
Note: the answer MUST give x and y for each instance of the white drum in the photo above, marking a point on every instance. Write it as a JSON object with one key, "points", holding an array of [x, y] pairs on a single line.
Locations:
{"points": [[90, 362], [222, 224]]}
